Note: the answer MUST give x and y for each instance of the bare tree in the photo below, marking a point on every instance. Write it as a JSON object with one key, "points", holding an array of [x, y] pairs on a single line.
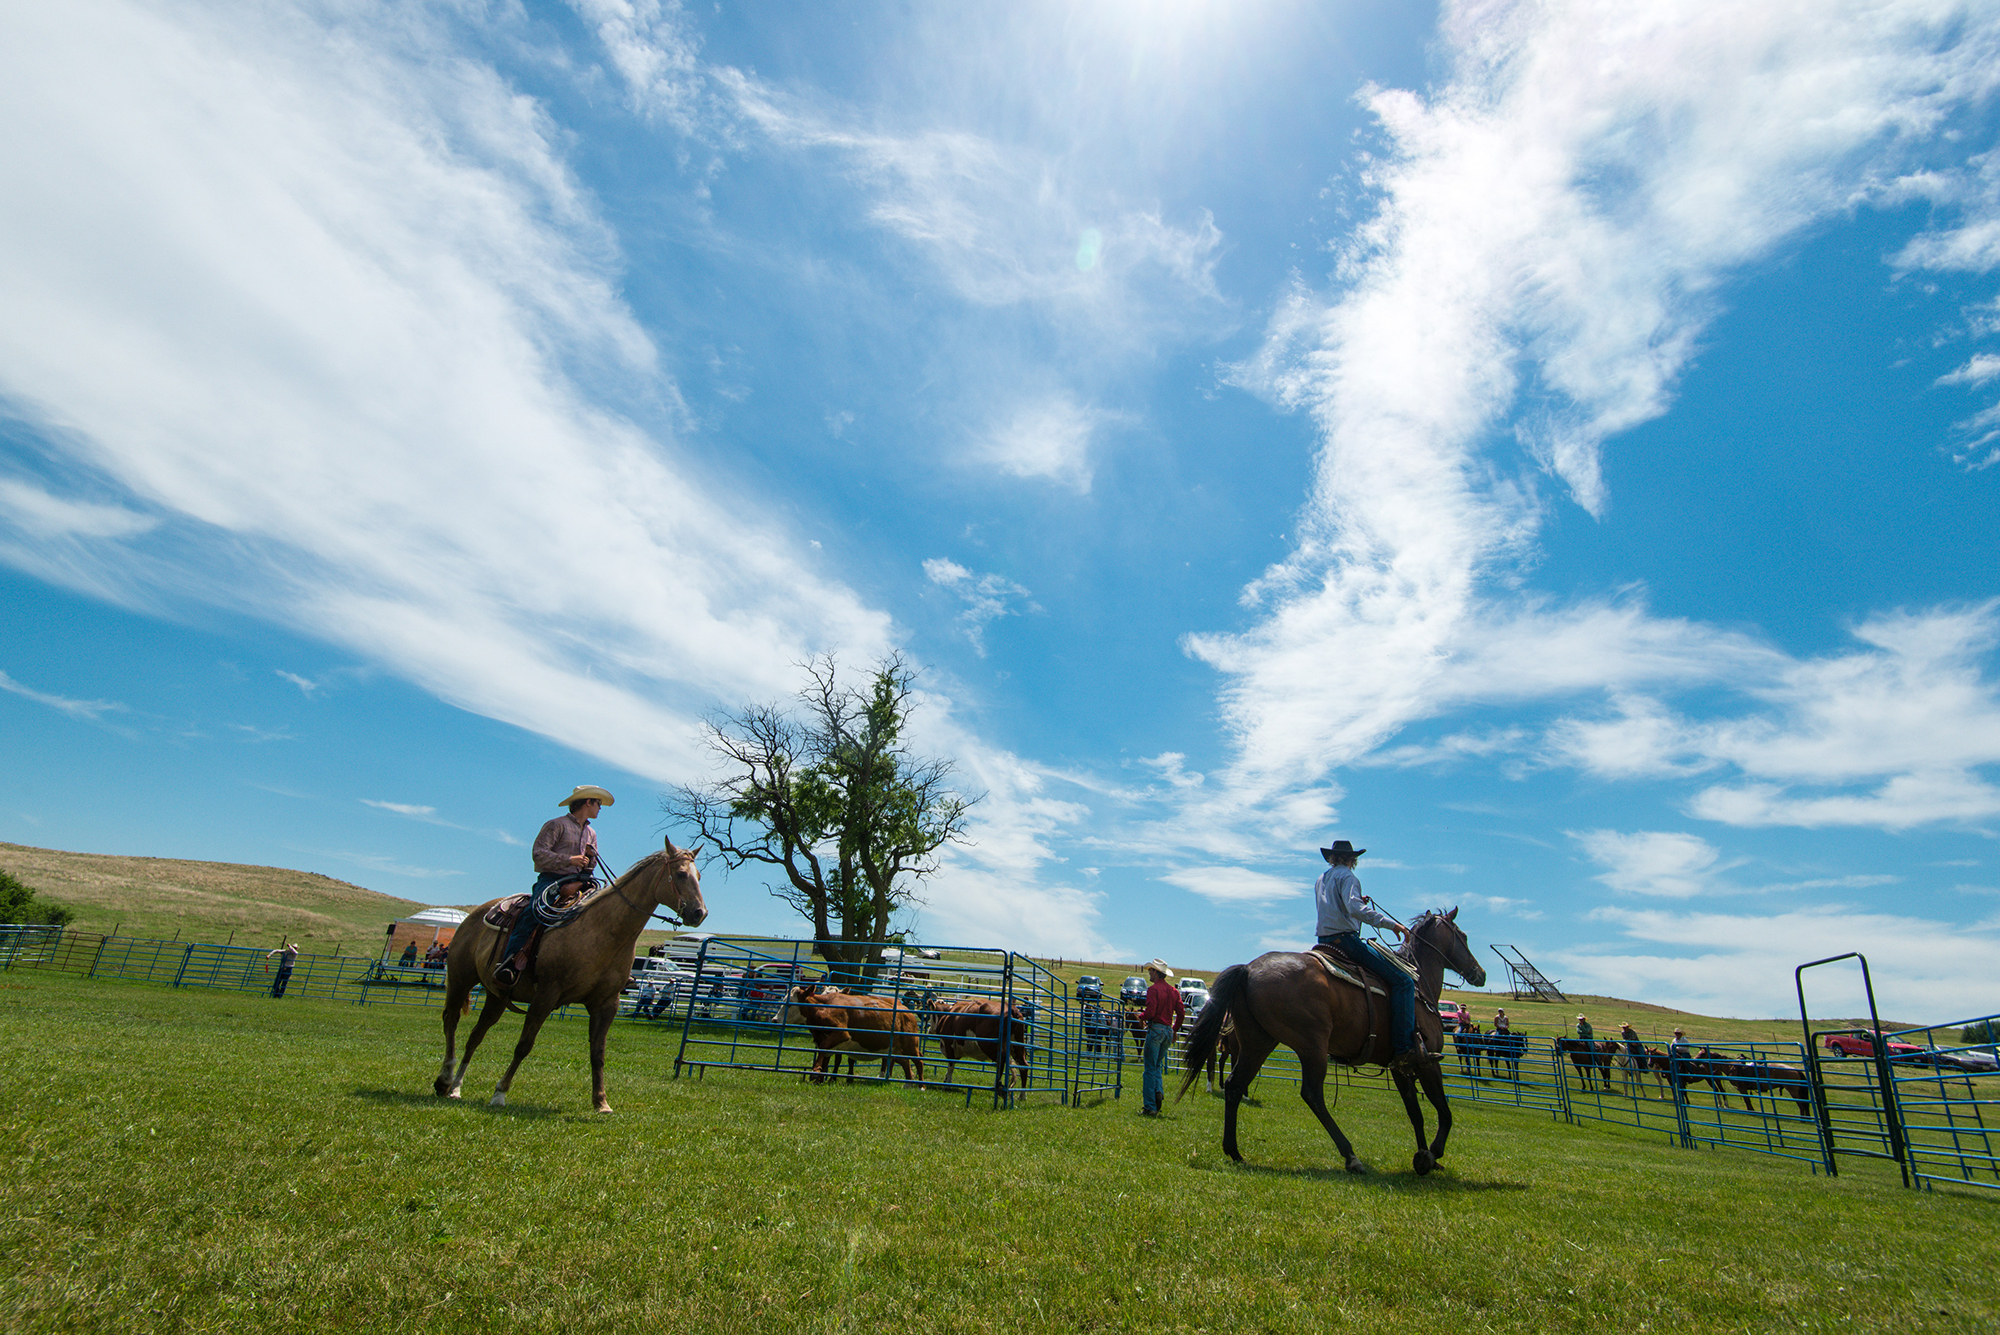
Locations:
{"points": [[829, 793]]}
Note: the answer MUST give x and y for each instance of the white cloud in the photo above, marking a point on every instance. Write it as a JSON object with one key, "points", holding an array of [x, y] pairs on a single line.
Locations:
{"points": [[429, 816], [1235, 885], [306, 685], [317, 313], [1555, 224], [1004, 224], [1741, 965], [1978, 371], [40, 515], [83, 709], [652, 50], [400, 808], [1650, 862], [986, 597], [1050, 439]]}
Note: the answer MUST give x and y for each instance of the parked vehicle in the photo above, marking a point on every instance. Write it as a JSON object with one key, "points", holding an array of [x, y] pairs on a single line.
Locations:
{"points": [[1972, 1061], [1194, 998], [1863, 1045], [1090, 986], [1132, 990], [1192, 984]]}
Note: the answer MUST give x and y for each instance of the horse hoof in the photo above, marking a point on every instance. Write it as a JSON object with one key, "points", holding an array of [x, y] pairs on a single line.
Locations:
{"points": [[604, 1107], [499, 1100], [1424, 1163], [1356, 1167]]}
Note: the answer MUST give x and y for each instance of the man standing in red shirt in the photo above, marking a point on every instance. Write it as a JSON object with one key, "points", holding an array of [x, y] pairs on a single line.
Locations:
{"points": [[1162, 1017]]}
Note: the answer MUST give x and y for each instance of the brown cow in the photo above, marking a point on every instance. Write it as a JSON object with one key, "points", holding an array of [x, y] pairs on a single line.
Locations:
{"points": [[849, 1022], [969, 1030]]}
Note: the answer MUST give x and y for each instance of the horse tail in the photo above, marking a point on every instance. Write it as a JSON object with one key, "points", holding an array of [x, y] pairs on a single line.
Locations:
{"points": [[1224, 995]]}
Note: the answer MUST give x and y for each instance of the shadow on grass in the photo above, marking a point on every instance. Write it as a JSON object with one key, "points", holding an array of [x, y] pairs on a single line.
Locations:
{"points": [[404, 1098], [1439, 1179]]}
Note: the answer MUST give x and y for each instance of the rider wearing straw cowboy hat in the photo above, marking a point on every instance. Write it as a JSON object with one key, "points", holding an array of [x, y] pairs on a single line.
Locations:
{"points": [[1342, 910], [564, 851]]}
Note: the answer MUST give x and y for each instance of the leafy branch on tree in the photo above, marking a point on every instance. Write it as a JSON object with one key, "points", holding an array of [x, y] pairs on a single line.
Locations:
{"points": [[19, 905], [828, 793]]}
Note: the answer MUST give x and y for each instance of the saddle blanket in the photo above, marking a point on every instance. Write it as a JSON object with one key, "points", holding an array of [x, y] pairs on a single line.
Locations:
{"points": [[1338, 966]]}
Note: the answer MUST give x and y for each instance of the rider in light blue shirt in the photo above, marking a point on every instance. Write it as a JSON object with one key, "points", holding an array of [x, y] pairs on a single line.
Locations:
{"points": [[1342, 911]]}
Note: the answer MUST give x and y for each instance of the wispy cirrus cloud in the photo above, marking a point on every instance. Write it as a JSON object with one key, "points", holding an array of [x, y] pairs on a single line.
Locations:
{"points": [[1652, 862], [429, 816], [986, 597], [1235, 885], [1554, 227], [357, 444], [90, 710]]}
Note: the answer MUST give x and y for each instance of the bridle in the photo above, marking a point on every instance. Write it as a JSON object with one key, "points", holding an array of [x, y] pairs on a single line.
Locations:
{"points": [[611, 883]]}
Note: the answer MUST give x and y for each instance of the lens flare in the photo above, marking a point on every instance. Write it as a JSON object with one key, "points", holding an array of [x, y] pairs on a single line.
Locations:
{"points": [[1087, 249]]}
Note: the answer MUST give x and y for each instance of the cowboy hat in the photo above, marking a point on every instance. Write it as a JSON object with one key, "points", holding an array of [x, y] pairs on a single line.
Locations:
{"points": [[1159, 966], [1343, 849], [588, 792]]}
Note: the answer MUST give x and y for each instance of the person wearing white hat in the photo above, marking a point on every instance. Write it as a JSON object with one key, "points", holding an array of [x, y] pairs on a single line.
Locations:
{"points": [[1162, 1017], [564, 852]]}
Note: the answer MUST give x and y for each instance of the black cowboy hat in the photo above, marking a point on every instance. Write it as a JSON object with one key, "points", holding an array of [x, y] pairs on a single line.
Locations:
{"points": [[1341, 848]]}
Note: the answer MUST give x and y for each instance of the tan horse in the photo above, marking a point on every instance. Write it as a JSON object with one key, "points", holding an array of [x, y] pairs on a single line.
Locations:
{"points": [[587, 960]]}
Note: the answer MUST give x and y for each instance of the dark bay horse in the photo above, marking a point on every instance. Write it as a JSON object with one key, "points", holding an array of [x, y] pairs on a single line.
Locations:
{"points": [[1290, 998], [586, 960], [1591, 1059]]}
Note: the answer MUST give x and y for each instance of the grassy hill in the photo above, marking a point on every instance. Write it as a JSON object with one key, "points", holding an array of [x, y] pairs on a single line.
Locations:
{"points": [[226, 902], [208, 901]]}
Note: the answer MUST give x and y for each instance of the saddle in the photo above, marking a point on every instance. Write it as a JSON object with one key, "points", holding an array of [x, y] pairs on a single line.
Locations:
{"points": [[1346, 971], [501, 914], [564, 901]]}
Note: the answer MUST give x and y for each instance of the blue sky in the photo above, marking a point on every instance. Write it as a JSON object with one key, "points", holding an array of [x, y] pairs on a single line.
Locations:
{"points": [[1549, 444]]}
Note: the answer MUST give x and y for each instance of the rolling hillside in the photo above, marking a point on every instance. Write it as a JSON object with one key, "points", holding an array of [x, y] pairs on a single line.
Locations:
{"points": [[208, 901]]}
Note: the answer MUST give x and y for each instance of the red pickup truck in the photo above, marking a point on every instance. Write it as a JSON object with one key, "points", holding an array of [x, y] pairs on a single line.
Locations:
{"points": [[1860, 1045]]}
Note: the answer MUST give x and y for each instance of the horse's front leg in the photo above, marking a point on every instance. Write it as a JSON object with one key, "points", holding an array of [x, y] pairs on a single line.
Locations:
{"points": [[1433, 1082], [1406, 1085], [1312, 1088], [537, 1012], [600, 1027]]}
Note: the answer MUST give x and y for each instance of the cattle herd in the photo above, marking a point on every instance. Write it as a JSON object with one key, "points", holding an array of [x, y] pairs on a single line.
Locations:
{"points": [[859, 1024]]}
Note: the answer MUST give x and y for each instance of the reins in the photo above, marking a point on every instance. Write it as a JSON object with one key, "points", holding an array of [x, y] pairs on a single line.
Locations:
{"points": [[611, 883]]}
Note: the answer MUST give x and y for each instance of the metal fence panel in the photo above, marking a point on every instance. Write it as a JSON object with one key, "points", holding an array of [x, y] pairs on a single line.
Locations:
{"points": [[730, 1010], [1948, 1098]]}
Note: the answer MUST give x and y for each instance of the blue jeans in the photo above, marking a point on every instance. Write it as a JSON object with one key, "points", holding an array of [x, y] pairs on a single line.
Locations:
{"points": [[1153, 1087], [531, 912], [1402, 992]]}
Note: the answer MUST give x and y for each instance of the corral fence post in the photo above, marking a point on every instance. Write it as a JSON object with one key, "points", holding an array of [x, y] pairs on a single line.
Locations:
{"points": [[1885, 1121]]}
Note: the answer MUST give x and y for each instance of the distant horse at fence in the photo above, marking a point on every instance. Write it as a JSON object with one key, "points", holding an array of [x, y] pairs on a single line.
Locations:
{"points": [[1592, 1060], [1680, 1071], [1296, 999], [1633, 1064], [1770, 1078], [588, 960]]}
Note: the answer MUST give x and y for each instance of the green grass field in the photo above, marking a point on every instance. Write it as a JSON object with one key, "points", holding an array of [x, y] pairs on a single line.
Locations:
{"points": [[220, 1161]]}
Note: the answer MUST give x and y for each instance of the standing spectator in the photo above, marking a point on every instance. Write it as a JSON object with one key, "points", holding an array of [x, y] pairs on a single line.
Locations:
{"points": [[1583, 1029], [409, 955], [288, 955], [1501, 1024], [1162, 1016]]}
